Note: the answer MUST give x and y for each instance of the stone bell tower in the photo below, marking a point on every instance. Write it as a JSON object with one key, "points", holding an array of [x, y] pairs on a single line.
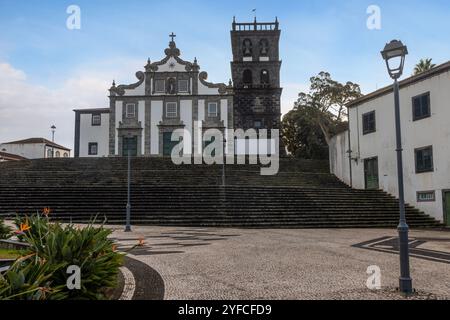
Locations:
{"points": [[256, 75]]}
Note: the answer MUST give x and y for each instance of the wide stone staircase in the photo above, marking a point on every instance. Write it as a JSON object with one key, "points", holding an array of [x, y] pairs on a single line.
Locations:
{"points": [[302, 195]]}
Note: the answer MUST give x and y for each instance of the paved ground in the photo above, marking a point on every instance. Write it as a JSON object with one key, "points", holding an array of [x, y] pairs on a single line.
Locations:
{"points": [[206, 263]]}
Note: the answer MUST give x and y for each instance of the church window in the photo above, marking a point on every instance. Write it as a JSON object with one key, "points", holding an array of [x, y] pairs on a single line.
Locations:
{"points": [[212, 109], [66, 155], [183, 86], [247, 77], [265, 77], [93, 148], [264, 48], [171, 110], [247, 48], [130, 110], [96, 120], [57, 154], [160, 86], [49, 153]]}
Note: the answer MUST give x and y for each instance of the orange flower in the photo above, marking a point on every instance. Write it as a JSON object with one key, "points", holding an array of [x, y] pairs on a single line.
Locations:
{"points": [[46, 211], [23, 227]]}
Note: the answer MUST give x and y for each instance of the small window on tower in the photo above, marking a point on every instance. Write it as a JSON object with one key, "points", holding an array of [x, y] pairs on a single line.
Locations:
{"points": [[265, 77], [247, 48], [247, 78], [264, 48]]}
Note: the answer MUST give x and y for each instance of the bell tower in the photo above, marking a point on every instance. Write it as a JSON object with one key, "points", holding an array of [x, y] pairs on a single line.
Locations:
{"points": [[256, 75]]}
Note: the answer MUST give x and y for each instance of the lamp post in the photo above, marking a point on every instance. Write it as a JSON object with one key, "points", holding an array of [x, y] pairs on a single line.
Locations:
{"points": [[128, 218], [224, 161], [53, 127], [394, 54]]}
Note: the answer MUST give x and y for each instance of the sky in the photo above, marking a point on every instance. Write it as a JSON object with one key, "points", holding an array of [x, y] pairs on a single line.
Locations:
{"points": [[47, 70]]}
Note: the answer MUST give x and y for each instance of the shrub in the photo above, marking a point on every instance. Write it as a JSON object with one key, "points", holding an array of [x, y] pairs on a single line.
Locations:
{"points": [[29, 278], [5, 231], [63, 246]]}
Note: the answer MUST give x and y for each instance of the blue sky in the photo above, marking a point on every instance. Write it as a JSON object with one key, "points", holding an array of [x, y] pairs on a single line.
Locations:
{"points": [[55, 70]]}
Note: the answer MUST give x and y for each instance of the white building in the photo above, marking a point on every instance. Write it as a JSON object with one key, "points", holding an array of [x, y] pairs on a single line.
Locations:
{"points": [[172, 94], [35, 148], [370, 161], [4, 156]]}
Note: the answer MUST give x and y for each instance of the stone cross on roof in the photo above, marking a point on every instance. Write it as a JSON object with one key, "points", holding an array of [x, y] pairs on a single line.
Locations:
{"points": [[172, 36]]}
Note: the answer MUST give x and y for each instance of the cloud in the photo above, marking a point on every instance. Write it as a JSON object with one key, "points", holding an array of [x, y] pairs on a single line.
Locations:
{"points": [[290, 95], [28, 110]]}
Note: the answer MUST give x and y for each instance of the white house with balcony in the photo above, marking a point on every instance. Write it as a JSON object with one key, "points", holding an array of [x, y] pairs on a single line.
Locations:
{"points": [[364, 157]]}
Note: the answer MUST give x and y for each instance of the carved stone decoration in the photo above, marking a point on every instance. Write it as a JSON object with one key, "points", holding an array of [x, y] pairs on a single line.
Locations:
{"points": [[172, 52], [171, 86], [211, 124], [120, 90], [221, 86]]}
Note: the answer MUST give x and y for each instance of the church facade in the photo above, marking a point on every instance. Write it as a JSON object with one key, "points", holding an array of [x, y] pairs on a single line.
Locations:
{"points": [[173, 94]]}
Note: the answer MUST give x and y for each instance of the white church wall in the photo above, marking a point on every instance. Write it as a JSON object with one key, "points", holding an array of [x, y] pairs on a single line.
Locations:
{"points": [[138, 91], [202, 89], [94, 134], [224, 118], [339, 162], [141, 119], [118, 117], [186, 118], [201, 118], [172, 66], [433, 131], [156, 118]]}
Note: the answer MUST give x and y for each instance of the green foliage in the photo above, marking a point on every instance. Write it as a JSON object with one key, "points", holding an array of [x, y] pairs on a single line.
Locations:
{"points": [[423, 65], [62, 246], [5, 231], [89, 248], [317, 116], [303, 136], [29, 278]]}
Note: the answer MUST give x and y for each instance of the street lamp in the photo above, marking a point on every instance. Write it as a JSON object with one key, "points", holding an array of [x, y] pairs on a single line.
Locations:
{"points": [[53, 127], [224, 161], [394, 54], [128, 217]]}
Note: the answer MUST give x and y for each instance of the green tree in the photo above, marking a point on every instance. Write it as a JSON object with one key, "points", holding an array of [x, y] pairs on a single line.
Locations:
{"points": [[423, 65], [317, 116]]}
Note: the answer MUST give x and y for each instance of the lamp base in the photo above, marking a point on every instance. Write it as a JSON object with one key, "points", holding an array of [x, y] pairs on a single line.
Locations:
{"points": [[406, 286]]}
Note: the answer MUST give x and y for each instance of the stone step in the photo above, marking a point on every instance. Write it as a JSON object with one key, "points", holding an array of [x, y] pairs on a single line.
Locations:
{"points": [[303, 194]]}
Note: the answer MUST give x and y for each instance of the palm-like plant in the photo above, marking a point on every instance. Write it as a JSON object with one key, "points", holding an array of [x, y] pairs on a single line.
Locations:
{"points": [[423, 65]]}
